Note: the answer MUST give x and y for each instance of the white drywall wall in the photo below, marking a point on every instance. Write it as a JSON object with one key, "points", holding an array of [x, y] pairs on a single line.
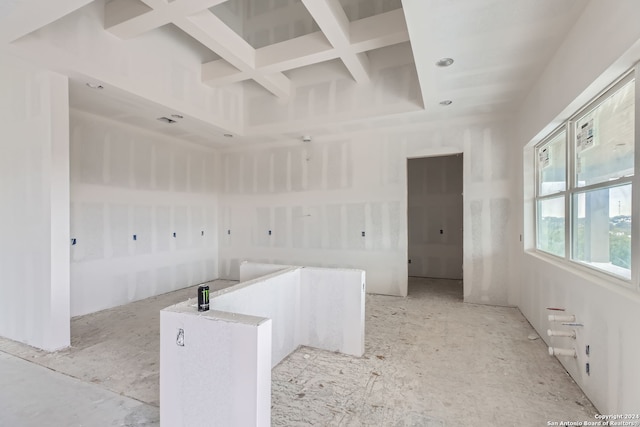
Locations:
{"points": [[332, 309], [317, 199], [324, 310], [275, 296], [221, 375], [126, 182], [34, 183], [253, 270], [599, 47]]}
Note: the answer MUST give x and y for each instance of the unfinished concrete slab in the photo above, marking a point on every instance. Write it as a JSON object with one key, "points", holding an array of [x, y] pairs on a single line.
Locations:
{"points": [[32, 395], [430, 360], [118, 349]]}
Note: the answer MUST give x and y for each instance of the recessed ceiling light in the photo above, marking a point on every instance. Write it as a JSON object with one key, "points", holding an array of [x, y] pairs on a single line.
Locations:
{"points": [[228, 135], [444, 62], [95, 86], [177, 116], [446, 102]]}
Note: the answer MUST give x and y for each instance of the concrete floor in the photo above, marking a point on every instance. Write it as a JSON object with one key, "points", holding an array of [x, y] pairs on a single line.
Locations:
{"points": [[430, 360]]}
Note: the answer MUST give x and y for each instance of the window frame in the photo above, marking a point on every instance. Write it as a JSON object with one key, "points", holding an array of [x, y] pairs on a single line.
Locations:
{"points": [[568, 126], [564, 193]]}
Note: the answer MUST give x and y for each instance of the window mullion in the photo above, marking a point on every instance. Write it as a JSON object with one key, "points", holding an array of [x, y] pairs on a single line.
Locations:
{"points": [[571, 177], [635, 190]]}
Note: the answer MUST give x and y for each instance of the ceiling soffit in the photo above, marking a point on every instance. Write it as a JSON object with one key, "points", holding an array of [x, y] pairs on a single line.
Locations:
{"points": [[259, 40]]}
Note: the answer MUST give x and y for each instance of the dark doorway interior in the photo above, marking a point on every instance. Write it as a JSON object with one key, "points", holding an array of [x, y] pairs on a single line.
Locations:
{"points": [[435, 216]]}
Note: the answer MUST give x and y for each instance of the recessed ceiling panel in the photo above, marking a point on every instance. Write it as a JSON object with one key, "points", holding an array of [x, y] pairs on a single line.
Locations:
{"points": [[360, 9], [261, 23]]}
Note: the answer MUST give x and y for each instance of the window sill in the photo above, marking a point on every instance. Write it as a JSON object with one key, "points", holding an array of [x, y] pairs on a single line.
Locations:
{"points": [[598, 277]]}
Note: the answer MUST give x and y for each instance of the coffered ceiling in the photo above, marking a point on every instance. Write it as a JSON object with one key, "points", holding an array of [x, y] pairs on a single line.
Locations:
{"points": [[264, 70]]}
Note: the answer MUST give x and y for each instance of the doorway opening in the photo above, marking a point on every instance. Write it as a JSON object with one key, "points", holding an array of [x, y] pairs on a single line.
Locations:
{"points": [[435, 222]]}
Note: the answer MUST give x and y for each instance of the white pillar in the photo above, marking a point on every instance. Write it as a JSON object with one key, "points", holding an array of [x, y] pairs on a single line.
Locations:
{"points": [[34, 187]]}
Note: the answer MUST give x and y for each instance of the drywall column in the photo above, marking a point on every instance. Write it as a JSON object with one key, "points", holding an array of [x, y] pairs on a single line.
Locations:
{"points": [[34, 184], [215, 368]]}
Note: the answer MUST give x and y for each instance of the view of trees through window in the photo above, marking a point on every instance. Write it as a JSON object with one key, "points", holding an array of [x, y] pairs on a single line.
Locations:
{"points": [[619, 238]]}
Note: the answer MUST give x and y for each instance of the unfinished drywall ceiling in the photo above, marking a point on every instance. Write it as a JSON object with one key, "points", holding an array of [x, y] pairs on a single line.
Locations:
{"points": [[262, 70]]}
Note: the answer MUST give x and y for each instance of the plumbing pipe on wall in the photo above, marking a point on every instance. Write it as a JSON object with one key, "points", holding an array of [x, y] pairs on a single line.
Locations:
{"points": [[565, 352], [567, 334], [562, 318]]}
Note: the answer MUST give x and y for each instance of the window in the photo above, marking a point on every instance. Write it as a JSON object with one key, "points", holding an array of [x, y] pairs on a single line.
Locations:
{"points": [[585, 174], [551, 189]]}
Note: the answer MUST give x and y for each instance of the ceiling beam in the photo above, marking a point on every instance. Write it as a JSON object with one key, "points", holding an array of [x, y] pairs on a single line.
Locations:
{"points": [[209, 30], [130, 18], [378, 31], [333, 21], [220, 72], [294, 53]]}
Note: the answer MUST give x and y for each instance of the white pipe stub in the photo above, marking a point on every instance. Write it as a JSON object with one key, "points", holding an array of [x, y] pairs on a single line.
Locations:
{"points": [[562, 318], [565, 352], [556, 333]]}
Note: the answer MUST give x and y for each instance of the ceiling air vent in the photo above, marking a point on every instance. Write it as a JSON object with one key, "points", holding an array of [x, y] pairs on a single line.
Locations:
{"points": [[166, 120]]}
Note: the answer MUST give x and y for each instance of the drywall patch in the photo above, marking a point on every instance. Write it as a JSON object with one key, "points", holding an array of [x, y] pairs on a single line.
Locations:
{"points": [[298, 218], [356, 226], [196, 173], [89, 232], [263, 225], [119, 159], [197, 226], [298, 159], [334, 226], [314, 227], [142, 230], [180, 171], [315, 167], [500, 213], [210, 173], [281, 170], [249, 179], [477, 250], [163, 167], [163, 228], [263, 170], [397, 222], [181, 227], [142, 158], [477, 152], [118, 230], [376, 226], [280, 227], [91, 156], [230, 163]]}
